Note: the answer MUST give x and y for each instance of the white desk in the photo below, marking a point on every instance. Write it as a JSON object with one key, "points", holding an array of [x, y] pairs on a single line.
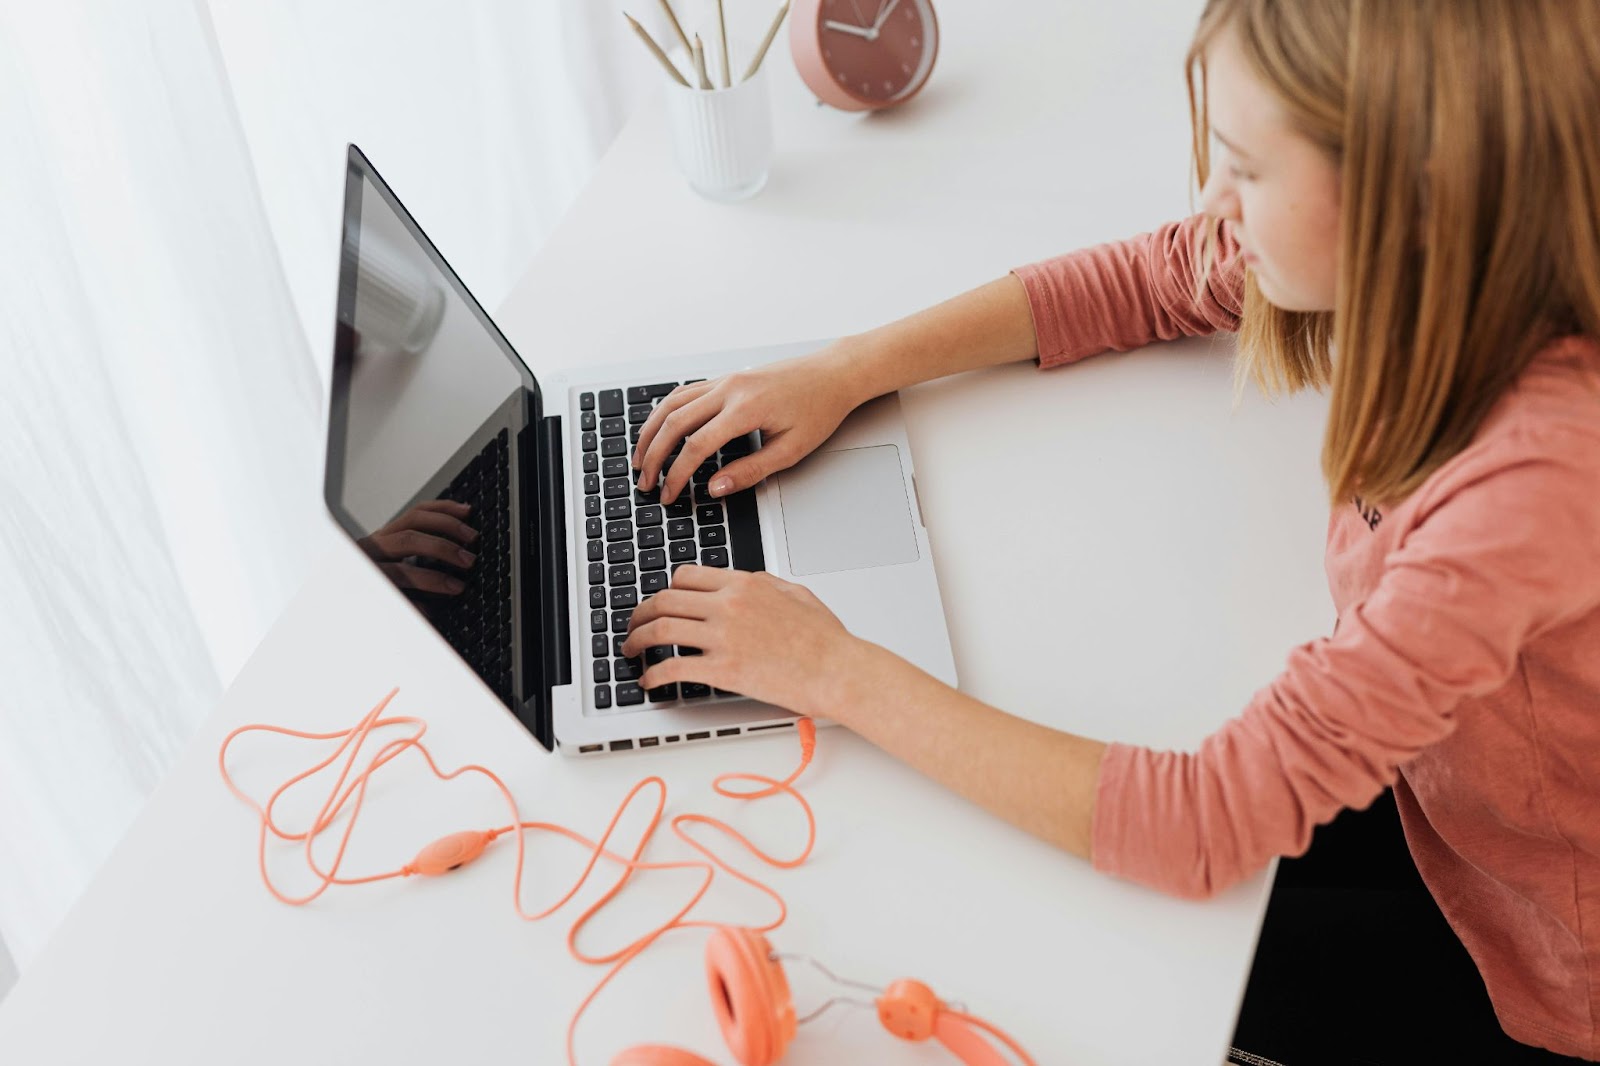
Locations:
{"points": [[1119, 555]]}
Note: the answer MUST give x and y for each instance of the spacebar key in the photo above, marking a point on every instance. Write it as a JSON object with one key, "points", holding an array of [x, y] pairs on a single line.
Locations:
{"points": [[744, 531]]}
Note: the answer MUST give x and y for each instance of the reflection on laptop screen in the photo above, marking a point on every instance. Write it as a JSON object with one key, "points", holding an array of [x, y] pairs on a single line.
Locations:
{"points": [[427, 414]]}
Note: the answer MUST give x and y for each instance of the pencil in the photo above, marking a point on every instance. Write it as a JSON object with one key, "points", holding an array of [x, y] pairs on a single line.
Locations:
{"points": [[761, 53], [677, 28], [699, 54], [722, 29], [655, 50]]}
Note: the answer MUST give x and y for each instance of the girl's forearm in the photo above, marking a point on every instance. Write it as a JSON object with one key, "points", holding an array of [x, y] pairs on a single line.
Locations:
{"points": [[986, 326], [1038, 779]]}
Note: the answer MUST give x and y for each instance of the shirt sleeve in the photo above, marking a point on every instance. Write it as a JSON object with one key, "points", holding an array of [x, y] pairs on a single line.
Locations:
{"points": [[1127, 294], [1499, 554]]}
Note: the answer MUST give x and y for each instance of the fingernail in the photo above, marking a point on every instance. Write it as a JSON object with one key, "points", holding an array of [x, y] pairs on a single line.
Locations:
{"points": [[721, 485], [465, 557], [472, 534], [452, 584]]}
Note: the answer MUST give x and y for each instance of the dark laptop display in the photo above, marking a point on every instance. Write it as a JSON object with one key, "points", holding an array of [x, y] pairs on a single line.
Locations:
{"points": [[431, 408]]}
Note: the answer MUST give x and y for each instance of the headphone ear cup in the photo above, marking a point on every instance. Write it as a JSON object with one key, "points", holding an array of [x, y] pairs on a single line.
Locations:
{"points": [[750, 995], [659, 1055]]}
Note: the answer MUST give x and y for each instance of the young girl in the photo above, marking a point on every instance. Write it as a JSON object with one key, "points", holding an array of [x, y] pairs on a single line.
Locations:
{"points": [[1406, 212]]}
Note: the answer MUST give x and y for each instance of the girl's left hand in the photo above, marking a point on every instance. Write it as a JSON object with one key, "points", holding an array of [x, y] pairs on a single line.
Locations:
{"points": [[759, 636]]}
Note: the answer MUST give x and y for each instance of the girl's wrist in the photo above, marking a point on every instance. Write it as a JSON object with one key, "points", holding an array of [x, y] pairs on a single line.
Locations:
{"points": [[858, 364], [845, 677]]}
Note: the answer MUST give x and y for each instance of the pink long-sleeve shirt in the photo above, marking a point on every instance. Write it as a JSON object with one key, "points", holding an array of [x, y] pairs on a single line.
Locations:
{"points": [[1464, 669]]}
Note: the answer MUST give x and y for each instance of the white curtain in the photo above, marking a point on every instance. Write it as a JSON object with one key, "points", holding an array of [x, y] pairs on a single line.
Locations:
{"points": [[168, 249]]}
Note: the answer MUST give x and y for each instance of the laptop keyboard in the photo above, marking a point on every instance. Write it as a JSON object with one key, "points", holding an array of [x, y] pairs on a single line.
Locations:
{"points": [[477, 621], [633, 544]]}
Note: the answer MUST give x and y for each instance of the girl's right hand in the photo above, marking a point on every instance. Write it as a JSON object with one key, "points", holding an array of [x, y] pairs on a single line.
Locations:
{"points": [[796, 404]]}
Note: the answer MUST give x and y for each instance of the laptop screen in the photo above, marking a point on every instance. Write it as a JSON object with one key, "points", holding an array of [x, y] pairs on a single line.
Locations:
{"points": [[432, 442]]}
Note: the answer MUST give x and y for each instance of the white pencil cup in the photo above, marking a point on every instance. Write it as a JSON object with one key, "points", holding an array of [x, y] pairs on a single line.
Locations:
{"points": [[722, 138]]}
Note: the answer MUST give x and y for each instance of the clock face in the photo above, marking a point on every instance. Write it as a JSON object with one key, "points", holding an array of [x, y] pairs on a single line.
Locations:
{"points": [[877, 50]]}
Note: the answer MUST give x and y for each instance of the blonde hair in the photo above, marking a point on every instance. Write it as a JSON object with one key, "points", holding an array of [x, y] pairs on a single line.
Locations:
{"points": [[1467, 135]]}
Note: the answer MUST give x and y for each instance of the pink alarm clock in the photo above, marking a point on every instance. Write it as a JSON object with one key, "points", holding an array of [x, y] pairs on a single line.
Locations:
{"points": [[863, 55]]}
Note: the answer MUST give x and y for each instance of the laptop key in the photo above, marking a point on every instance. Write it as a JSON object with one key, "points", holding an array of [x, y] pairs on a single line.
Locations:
{"points": [[708, 514], [597, 621], [680, 529], [658, 654], [629, 694], [597, 595], [610, 402], [597, 573], [653, 581], [602, 670], [620, 530], [622, 575], [624, 597], [620, 620], [591, 506], [597, 551], [613, 427], [649, 515], [710, 536], [613, 446], [663, 693], [634, 431], [616, 487], [649, 498], [592, 527], [586, 420], [652, 537], [680, 508], [694, 691], [615, 467], [616, 645], [652, 559], [662, 389], [639, 394], [598, 646], [639, 414], [628, 669], [589, 442], [682, 551], [591, 484], [618, 508], [602, 696], [591, 463], [620, 552], [714, 557], [586, 401]]}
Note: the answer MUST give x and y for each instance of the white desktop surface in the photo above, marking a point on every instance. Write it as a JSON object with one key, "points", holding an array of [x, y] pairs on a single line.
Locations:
{"points": [[1120, 554]]}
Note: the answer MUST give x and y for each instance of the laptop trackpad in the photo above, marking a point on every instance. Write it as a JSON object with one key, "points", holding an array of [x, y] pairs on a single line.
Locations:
{"points": [[846, 510]]}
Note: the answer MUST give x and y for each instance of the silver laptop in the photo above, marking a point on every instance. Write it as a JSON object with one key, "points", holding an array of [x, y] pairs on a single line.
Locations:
{"points": [[436, 425]]}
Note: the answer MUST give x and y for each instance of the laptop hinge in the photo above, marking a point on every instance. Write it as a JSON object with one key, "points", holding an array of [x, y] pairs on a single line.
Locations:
{"points": [[552, 598]]}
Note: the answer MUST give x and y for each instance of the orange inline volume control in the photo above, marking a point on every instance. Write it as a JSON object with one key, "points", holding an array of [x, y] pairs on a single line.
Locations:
{"points": [[449, 853]]}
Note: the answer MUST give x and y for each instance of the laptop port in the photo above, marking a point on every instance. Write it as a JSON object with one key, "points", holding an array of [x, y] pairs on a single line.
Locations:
{"points": [[588, 749], [622, 745], [648, 742], [728, 732], [774, 725], [670, 740], [698, 736]]}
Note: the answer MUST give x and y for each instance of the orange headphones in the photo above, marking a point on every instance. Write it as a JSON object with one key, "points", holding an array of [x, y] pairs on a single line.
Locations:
{"points": [[750, 994], [748, 988]]}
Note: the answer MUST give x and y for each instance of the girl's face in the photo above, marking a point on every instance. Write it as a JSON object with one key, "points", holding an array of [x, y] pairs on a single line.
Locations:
{"points": [[1278, 188]]}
